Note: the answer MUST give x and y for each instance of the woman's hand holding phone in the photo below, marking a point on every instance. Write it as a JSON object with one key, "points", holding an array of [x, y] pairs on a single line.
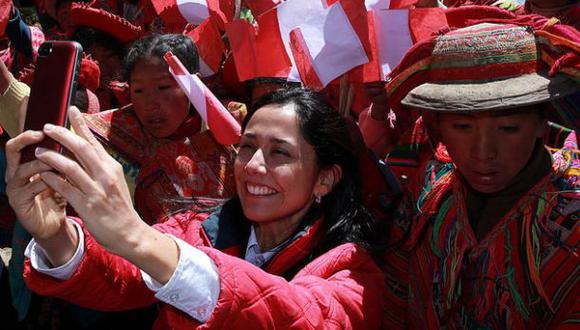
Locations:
{"points": [[39, 209]]}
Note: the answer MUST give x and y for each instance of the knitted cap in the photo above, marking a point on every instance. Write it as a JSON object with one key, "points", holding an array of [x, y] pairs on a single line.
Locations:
{"points": [[482, 67]]}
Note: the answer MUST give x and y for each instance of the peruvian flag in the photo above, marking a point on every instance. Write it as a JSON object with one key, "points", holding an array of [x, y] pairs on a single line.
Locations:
{"points": [[210, 47], [392, 33], [181, 12], [221, 123], [313, 41]]}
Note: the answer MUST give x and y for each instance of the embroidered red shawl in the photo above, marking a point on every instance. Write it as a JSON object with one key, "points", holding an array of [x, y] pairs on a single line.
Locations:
{"points": [[190, 169]]}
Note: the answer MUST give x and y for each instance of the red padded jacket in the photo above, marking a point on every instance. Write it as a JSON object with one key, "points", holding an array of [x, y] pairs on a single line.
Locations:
{"points": [[342, 288]]}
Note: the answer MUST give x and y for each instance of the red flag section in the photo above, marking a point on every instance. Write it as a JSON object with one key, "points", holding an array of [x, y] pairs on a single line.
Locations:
{"points": [[258, 7], [176, 12], [258, 57], [210, 47]]}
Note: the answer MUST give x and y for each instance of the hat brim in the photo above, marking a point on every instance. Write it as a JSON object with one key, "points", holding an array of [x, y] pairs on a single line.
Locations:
{"points": [[458, 97]]}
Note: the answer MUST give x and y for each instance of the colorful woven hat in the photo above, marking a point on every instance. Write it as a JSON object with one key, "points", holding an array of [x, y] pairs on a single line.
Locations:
{"points": [[483, 67]]}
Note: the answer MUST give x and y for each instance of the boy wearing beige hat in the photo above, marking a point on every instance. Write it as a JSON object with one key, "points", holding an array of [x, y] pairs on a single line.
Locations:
{"points": [[495, 244]]}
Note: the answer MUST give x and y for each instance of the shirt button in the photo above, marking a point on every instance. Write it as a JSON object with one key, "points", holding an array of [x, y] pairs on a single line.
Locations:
{"points": [[174, 297]]}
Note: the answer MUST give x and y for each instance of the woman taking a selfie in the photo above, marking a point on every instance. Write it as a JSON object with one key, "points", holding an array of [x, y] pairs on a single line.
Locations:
{"points": [[294, 249]]}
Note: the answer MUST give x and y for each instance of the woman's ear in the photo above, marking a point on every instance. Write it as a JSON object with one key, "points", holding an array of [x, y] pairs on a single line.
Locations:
{"points": [[328, 179]]}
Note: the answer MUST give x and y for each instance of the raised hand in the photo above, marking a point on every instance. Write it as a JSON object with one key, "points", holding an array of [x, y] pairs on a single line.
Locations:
{"points": [[93, 184], [39, 209], [375, 91]]}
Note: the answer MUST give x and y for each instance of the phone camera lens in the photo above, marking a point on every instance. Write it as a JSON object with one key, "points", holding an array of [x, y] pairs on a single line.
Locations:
{"points": [[45, 49]]}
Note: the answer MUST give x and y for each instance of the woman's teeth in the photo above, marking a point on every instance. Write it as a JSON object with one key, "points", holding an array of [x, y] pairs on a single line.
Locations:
{"points": [[260, 190]]}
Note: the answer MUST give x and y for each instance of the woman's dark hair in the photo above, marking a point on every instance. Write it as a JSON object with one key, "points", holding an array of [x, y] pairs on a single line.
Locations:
{"points": [[157, 45], [345, 218]]}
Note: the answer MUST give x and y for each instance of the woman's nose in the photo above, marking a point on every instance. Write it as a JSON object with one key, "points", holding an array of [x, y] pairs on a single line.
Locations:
{"points": [[257, 163]]}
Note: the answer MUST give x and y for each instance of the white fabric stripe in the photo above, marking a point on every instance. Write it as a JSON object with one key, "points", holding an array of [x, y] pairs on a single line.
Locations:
{"points": [[193, 11], [393, 37], [194, 92]]}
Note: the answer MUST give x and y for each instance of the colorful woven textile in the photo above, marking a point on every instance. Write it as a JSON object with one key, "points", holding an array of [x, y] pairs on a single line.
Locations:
{"points": [[523, 274]]}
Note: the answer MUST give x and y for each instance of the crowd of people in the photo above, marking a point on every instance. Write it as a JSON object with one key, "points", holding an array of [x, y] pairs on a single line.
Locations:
{"points": [[443, 195]]}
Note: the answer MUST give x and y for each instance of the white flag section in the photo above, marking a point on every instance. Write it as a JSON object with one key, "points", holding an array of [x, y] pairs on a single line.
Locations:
{"points": [[332, 42], [221, 123], [204, 69], [393, 37], [377, 4], [194, 11]]}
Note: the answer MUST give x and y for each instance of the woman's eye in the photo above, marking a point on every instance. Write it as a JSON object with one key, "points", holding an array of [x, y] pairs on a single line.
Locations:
{"points": [[137, 91], [162, 88], [281, 152]]}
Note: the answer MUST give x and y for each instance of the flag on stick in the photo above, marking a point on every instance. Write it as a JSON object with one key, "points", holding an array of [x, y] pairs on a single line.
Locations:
{"points": [[210, 47], [194, 11], [302, 40], [392, 33], [221, 123]]}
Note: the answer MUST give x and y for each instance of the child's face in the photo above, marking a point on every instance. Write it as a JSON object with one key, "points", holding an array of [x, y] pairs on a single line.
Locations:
{"points": [[159, 102], [489, 149]]}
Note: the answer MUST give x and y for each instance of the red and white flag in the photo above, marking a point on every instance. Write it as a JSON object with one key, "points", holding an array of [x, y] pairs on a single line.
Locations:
{"points": [[398, 30], [194, 11], [313, 41], [210, 47], [221, 123], [393, 32]]}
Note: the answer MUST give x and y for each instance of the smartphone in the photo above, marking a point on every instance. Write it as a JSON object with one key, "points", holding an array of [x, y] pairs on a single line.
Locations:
{"points": [[52, 91]]}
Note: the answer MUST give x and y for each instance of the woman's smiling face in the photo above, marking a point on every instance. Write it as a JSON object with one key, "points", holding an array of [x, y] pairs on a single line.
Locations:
{"points": [[276, 169]]}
